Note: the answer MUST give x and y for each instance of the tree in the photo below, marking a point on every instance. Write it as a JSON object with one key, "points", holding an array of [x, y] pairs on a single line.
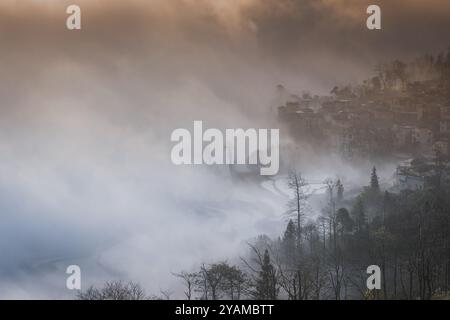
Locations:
{"points": [[216, 281], [359, 215], [344, 221], [340, 190], [189, 280], [289, 242], [116, 290], [297, 206], [214, 276], [235, 282], [336, 272], [266, 286], [374, 184]]}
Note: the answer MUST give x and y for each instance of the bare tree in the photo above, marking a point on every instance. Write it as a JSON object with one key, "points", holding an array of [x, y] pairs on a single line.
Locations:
{"points": [[189, 280], [298, 205], [166, 294], [115, 290]]}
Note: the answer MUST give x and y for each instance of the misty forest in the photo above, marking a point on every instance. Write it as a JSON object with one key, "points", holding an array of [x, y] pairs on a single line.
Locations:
{"points": [[402, 115]]}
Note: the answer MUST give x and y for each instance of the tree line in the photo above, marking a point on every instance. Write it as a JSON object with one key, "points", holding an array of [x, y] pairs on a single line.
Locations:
{"points": [[405, 234]]}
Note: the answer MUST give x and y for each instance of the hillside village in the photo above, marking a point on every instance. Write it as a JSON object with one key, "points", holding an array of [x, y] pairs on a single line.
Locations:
{"points": [[401, 113]]}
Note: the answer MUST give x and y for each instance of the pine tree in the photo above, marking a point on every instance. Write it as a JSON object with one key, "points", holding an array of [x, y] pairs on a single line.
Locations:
{"points": [[374, 184], [289, 243], [266, 284]]}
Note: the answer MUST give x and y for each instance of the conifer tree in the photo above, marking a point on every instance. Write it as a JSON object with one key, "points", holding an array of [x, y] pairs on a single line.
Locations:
{"points": [[266, 283], [374, 184]]}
